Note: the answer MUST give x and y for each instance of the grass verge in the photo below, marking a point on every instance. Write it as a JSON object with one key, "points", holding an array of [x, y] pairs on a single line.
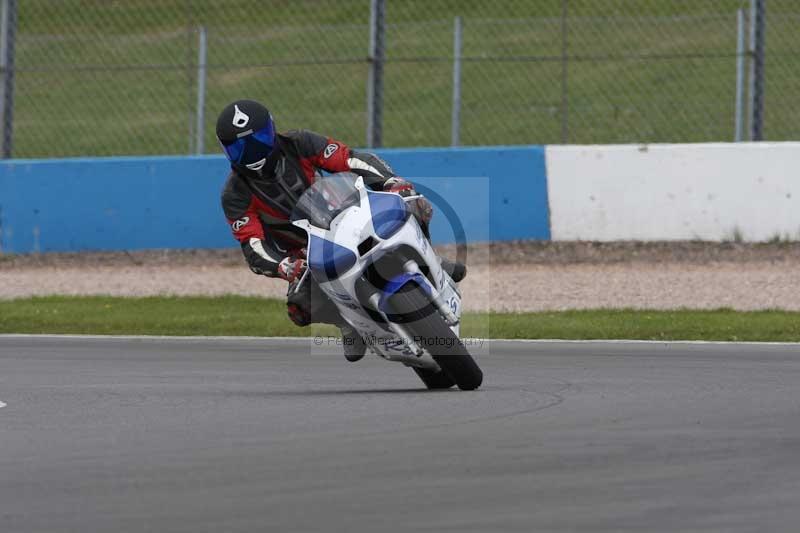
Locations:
{"points": [[239, 315]]}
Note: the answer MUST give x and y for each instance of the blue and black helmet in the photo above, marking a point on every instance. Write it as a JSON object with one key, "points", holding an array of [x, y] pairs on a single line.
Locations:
{"points": [[246, 131]]}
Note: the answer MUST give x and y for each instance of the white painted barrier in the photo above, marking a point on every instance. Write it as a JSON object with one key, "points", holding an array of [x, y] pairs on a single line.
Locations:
{"points": [[671, 192]]}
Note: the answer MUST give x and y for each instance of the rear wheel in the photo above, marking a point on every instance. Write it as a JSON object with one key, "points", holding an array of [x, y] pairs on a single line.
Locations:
{"points": [[414, 310]]}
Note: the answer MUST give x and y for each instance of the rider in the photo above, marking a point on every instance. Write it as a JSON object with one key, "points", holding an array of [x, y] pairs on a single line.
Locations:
{"points": [[269, 172]]}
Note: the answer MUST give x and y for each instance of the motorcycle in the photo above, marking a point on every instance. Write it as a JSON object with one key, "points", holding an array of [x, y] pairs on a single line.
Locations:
{"points": [[372, 259]]}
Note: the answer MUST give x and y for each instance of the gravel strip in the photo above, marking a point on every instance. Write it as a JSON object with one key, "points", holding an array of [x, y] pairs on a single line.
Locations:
{"points": [[529, 276], [750, 286], [500, 253]]}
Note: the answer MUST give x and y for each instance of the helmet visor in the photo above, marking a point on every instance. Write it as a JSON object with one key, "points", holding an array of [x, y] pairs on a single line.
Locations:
{"points": [[253, 147]]}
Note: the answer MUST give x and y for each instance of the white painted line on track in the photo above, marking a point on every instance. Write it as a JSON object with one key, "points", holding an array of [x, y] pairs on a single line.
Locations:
{"points": [[644, 341], [310, 339], [2, 405]]}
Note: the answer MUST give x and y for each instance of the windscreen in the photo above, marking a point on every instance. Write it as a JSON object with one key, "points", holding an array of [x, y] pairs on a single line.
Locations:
{"points": [[329, 196]]}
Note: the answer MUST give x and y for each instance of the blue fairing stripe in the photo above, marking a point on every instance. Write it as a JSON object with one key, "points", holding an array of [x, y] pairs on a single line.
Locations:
{"points": [[389, 213], [328, 259]]}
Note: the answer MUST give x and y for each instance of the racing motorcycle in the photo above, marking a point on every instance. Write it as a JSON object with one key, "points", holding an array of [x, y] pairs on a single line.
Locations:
{"points": [[372, 259]]}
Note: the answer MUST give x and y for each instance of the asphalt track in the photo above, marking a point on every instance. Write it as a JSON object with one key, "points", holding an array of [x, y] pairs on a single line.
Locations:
{"points": [[271, 435]]}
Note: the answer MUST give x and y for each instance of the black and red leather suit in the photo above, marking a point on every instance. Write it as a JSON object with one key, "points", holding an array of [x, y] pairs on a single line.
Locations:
{"points": [[258, 208]]}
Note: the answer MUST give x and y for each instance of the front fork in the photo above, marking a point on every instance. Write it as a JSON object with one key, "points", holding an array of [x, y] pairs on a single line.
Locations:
{"points": [[411, 267], [397, 329], [450, 317]]}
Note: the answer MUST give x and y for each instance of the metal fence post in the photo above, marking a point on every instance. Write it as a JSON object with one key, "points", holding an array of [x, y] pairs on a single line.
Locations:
{"points": [[757, 120], [8, 31], [377, 29], [739, 116], [564, 73], [199, 130], [751, 78], [456, 118]]}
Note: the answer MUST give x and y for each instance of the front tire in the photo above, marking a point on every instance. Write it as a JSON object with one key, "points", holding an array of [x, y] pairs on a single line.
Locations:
{"points": [[435, 380], [412, 307]]}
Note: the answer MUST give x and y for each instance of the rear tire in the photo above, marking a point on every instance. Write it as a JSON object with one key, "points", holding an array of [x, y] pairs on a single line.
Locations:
{"points": [[412, 307], [434, 380]]}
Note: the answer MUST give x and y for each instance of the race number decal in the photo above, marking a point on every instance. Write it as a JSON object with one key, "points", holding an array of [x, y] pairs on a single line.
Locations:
{"points": [[453, 304]]}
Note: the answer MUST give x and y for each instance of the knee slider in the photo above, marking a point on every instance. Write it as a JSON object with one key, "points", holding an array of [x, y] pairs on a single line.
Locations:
{"points": [[298, 315]]}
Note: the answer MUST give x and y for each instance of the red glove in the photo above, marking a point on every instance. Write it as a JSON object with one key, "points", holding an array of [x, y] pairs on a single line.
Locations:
{"points": [[298, 253], [291, 269]]}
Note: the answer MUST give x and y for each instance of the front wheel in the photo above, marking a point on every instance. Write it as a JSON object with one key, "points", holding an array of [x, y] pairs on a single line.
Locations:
{"points": [[435, 380], [411, 306]]}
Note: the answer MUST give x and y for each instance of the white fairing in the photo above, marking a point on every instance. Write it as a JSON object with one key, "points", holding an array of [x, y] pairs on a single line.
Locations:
{"points": [[352, 227]]}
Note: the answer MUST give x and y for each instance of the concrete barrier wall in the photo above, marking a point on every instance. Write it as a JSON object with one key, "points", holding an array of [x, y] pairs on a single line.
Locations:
{"points": [[173, 202], [656, 192], [667, 192]]}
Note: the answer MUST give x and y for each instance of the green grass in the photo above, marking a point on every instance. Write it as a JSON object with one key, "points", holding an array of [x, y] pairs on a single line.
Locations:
{"points": [[237, 315], [108, 78]]}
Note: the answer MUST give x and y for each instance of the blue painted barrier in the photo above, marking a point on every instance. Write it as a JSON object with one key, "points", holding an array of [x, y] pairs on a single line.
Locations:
{"points": [[112, 204], [173, 202], [516, 184]]}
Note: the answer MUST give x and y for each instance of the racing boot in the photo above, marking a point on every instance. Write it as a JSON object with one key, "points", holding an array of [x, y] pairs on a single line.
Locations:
{"points": [[354, 345], [456, 270]]}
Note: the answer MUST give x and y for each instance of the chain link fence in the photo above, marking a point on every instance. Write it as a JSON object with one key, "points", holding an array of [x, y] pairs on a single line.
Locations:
{"points": [[112, 77]]}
